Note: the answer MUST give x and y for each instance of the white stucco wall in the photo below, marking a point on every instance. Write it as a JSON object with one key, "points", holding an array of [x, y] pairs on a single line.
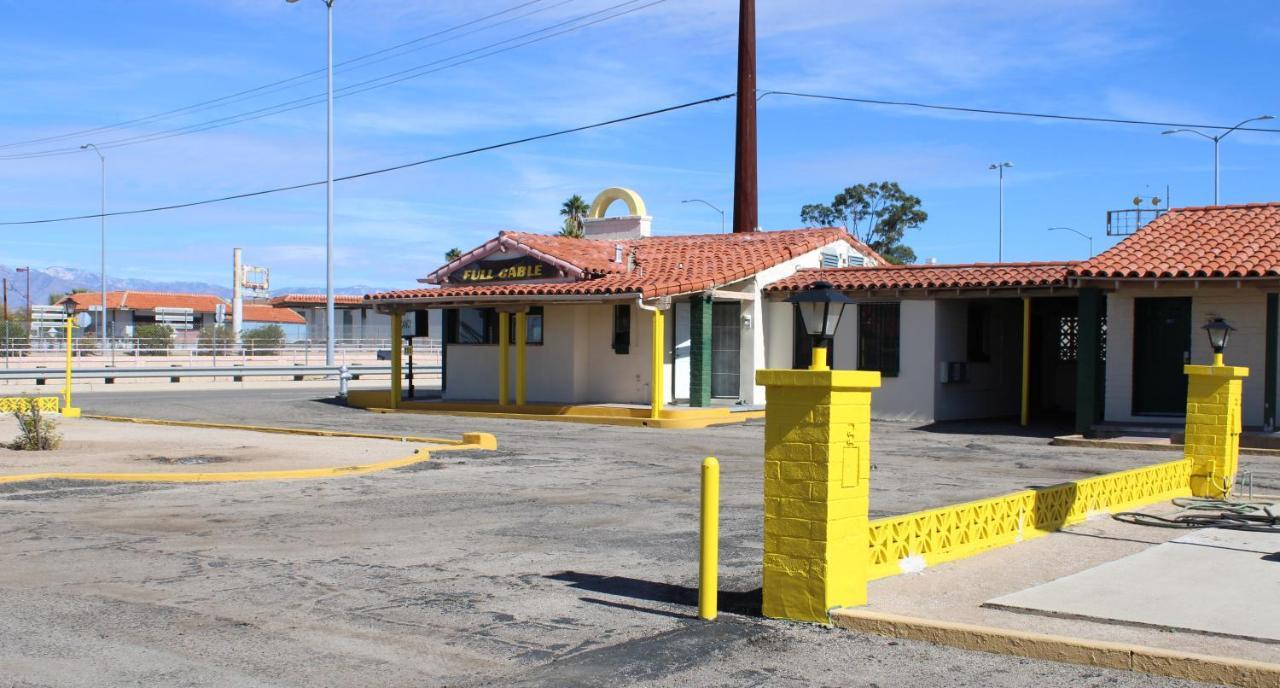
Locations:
{"points": [[575, 364], [993, 388], [1244, 308]]}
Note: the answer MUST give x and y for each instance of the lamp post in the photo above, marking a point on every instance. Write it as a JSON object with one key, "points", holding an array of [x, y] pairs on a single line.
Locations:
{"points": [[328, 187], [102, 322], [1069, 229], [1216, 140], [820, 307], [1000, 167], [1219, 331], [699, 200], [27, 296]]}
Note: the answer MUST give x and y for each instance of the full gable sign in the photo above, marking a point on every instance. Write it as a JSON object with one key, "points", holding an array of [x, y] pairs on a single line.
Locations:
{"points": [[514, 268]]}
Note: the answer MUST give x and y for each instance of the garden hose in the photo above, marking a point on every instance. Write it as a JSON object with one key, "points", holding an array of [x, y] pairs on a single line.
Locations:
{"points": [[1257, 517]]}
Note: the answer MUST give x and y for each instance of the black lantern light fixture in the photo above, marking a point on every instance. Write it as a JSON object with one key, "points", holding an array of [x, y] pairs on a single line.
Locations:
{"points": [[820, 307], [1219, 331]]}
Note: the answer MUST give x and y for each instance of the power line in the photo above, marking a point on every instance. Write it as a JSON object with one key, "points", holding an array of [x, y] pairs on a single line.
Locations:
{"points": [[274, 86], [1008, 113], [359, 87], [384, 170]]}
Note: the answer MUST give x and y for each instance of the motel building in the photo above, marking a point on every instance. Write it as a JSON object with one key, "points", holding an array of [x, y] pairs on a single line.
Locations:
{"points": [[668, 324]]}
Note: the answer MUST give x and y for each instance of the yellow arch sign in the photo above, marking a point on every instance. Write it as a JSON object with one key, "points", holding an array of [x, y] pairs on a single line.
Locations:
{"points": [[635, 204]]}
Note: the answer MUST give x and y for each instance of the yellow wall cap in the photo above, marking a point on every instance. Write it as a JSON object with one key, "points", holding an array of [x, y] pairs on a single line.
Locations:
{"points": [[836, 379], [1224, 371]]}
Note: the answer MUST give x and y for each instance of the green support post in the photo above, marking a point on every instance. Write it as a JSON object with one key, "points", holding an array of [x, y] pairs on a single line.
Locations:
{"points": [[1269, 368], [700, 350]]}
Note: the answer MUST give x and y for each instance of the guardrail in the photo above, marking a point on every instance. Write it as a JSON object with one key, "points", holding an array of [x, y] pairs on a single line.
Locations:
{"points": [[175, 373]]}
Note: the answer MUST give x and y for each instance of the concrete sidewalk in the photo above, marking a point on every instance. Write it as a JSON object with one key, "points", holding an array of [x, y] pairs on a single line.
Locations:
{"points": [[958, 591]]}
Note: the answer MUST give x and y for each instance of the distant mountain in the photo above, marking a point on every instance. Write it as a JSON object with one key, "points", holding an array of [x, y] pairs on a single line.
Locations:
{"points": [[61, 280]]}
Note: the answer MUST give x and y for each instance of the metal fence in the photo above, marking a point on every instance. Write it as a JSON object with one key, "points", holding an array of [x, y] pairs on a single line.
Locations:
{"points": [[133, 352]]}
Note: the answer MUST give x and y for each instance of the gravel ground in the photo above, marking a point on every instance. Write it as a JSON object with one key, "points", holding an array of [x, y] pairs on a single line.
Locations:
{"points": [[565, 558]]}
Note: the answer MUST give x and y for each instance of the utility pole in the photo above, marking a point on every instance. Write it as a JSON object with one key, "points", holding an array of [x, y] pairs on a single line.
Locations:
{"points": [[746, 211], [6, 321]]}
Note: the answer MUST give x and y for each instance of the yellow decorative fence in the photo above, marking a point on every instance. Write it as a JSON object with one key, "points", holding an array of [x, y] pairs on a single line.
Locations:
{"points": [[926, 538], [46, 404]]}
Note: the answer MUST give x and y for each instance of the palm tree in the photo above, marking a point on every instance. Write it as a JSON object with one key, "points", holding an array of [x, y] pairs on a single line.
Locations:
{"points": [[452, 255], [574, 211]]}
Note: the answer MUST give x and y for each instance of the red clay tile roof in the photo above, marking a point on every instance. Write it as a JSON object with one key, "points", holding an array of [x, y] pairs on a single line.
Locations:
{"points": [[264, 313], [664, 265], [1226, 241], [962, 276], [315, 299], [144, 300]]}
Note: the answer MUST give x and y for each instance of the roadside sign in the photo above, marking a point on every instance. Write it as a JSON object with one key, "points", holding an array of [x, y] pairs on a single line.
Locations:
{"points": [[83, 320]]}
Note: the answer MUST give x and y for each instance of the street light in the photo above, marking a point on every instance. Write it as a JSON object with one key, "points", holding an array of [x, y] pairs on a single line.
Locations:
{"points": [[328, 188], [1052, 229], [1001, 167], [102, 218], [820, 307], [1216, 140], [1219, 331], [699, 200]]}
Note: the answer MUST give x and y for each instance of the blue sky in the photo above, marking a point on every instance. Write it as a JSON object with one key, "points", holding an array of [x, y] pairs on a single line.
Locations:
{"points": [[76, 65]]}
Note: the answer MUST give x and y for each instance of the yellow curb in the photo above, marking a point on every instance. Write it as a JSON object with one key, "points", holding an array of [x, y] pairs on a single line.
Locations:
{"points": [[276, 430], [624, 421], [1160, 662], [470, 440]]}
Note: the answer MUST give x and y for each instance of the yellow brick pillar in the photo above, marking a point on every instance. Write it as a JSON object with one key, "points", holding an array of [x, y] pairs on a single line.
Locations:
{"points": [[1213, 427], [817, 462]]}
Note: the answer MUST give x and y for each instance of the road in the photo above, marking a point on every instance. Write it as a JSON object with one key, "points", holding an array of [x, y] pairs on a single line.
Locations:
{"points": [[565, 558]]}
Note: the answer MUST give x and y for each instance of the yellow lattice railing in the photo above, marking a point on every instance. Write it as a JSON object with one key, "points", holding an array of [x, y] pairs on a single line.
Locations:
{"points": [[11, 404], [925, 538]]}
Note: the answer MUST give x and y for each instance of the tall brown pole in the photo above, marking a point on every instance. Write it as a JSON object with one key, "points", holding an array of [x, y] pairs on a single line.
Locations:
{"points": [[746, 215]]}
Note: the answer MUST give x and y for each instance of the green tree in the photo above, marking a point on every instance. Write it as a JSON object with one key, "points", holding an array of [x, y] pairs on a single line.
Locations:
{"points": [[264, 339], [574, 211], [219, 335], [14, 333], [153, 338], [877, 214], [452, 255]]}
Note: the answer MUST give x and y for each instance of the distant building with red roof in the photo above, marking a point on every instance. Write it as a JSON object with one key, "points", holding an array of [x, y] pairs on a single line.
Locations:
{"points": [[185, 312]]}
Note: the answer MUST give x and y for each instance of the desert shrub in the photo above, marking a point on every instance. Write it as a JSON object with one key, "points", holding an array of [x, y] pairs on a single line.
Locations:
{"points": [[265, 339], [35, 431], [154, 338]]}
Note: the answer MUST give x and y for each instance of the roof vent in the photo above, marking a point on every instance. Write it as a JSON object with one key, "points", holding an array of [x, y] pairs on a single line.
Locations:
{"points": [[617, 253]]}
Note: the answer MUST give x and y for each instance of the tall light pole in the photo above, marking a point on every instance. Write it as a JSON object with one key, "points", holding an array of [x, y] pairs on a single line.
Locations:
{"points": [[1052, 229], [699, 200], [1000, 167], [102, 323], [1216, 140], [328, 188]]}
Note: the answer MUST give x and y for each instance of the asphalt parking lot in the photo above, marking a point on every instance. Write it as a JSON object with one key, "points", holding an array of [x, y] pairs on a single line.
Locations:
{"points": [[567, 557]]}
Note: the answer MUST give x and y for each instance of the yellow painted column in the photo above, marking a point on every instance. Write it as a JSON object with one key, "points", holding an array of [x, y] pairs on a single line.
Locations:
{"points": [[1025, 416], [504, 356], [817, 465], [397, 356], [69, 411], [522, 333], [1212, 443], [656, 348]]}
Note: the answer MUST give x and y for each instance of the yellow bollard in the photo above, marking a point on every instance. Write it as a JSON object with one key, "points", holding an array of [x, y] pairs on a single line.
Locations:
{"points": [[708, 587]]}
